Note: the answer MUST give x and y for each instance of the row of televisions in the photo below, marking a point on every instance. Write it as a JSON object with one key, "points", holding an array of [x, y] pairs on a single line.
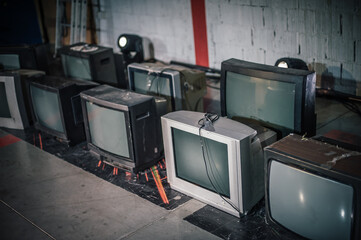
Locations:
{"points": [[311, 188]]}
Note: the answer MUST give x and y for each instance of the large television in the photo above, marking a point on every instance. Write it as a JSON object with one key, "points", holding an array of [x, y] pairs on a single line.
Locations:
{"points": [[313, 188], [56, 107], [122, 127], [15, 110], [89, 62], [223, 168], [278, 98], [13, 57], [184, 88]]}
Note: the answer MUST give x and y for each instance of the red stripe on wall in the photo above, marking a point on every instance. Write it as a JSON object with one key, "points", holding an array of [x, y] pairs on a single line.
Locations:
{"points": [[7, 140], [200, 32]]}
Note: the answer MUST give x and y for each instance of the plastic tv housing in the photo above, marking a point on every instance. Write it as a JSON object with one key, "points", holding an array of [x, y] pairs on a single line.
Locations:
{"points": [[15, 57], [313, 188], [56, 107], [233, 161], [122, 127], [183, 87], [89, 62], [278, 98], [15, 110]]}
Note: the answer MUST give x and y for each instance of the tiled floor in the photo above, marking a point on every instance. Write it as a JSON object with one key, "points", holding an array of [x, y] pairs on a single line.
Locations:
{"points": [[44, 197]]}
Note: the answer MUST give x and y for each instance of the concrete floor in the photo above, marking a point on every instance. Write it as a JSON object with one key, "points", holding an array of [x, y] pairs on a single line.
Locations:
{"points": [[44, 197]]}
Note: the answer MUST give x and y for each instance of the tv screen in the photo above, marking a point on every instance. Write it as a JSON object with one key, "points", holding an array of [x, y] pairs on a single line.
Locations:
{"points": [[13, 57], [9, 61], [14, 105], [76, 67], [226, 173], [89, 62], [278, 98], [47, 108], [312, 188], [108, 129], [122, 127], [183, 88], [56, 107]]}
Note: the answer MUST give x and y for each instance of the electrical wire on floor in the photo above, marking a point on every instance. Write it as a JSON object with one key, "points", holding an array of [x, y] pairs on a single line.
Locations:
{"points": [[207, 124]]}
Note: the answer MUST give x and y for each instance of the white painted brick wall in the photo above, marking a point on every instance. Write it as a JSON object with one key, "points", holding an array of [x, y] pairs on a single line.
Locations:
{"points": [[256, 30]]}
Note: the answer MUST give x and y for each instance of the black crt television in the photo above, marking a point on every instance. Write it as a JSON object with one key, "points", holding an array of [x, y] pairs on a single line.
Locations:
{"points": [[184, 88], [313, 188], [15, 110], [278, 98], [89, 62], [56, 107], [14, 57], [122, 127]]}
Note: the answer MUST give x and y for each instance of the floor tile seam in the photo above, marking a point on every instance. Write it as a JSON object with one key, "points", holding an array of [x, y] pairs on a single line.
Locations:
{"points": [[26, 219], [329, 122]]}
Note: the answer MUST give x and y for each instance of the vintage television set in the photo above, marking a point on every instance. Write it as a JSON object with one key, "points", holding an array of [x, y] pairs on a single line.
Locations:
{"points": [[183, 87], [14, 57], [56, 107], [222, 167], [278, 98], [313, 188], [122, 127], [89, 62], [15, 110]]}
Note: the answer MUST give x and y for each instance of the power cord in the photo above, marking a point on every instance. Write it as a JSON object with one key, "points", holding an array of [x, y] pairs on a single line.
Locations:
{"points": [[207, 123]]}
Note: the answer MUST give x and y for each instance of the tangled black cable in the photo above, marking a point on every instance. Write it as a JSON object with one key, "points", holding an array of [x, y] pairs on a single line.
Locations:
{"points": [[209, 119]]}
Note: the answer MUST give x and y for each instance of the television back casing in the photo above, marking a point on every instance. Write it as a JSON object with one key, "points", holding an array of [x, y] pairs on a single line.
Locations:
{"points": [[188, 85], [321, 159], [16, 84], [305, 117], [245, 160], [67, 91], [101, 61], [142, 126]]}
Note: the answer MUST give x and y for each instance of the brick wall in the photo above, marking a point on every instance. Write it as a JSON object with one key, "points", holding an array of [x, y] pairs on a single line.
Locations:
{"points": [[326, 34]]}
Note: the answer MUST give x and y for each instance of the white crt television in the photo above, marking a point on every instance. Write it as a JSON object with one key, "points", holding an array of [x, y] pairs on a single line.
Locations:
{"points": [[234, 161]]}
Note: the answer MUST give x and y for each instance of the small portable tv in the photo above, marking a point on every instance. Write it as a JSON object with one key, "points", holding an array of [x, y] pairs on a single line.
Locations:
{"points": [[227, 172], [183, 87], [13, 57], [89, 62], [15, 110], [281, 99], [122, 127], [56, 107], [313, 188]]}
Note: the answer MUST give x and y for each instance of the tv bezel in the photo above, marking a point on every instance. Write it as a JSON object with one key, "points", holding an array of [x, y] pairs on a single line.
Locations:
{"points": [[14, 95], [304, 108], [40, 127], [172, 75], [237, 142], [271, 154], [134, 105], [108, 105], [73, 132]]}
